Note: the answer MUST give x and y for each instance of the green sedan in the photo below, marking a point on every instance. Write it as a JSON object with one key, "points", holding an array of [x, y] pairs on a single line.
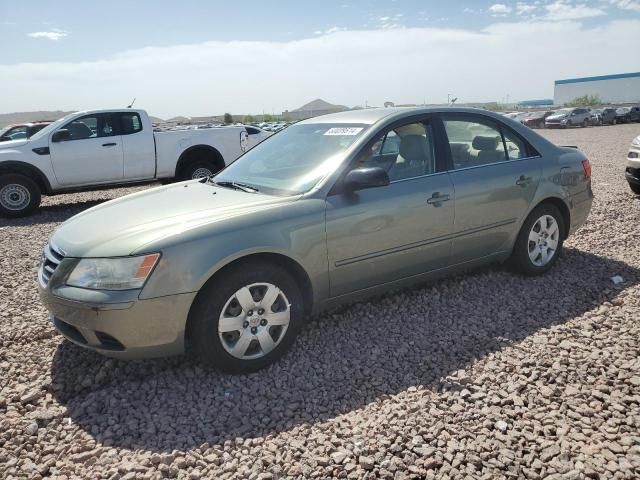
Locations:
{"points": [[333, 209]]}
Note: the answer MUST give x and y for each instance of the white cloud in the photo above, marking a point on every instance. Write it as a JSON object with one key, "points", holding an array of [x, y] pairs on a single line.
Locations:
{"points": [[342, 67], [499, 9], [54, 35], [563, 10], [525, 9], [632, 5]]}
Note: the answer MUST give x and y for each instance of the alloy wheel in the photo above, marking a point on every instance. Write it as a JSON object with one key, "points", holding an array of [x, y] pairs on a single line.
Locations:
{"points": [[201, 172], [543, 240]]}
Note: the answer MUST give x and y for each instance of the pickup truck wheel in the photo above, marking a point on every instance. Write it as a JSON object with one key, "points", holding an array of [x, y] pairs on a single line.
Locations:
{"points": [[539, 242], [19, 195], [248, 319], [197, 170]]}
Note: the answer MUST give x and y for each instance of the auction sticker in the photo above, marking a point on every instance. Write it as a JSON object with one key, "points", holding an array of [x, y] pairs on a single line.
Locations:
{"points": [[346, 131]]}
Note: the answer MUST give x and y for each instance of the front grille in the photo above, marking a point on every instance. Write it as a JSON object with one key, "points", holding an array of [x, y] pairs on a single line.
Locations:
{"points": [[51, 258]]}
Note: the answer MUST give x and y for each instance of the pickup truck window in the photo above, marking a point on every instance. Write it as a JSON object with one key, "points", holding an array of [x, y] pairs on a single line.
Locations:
{"points": [[91, 126], [129, 123]]}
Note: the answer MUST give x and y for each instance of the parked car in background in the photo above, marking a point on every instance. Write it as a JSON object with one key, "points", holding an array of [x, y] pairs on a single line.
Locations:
{"points": [[606, 116], [623, 115], [330, 210], [537, 119], [634, 114], [97, 148], [256, 134], [632, 172], [21, 131], [569, 117]]}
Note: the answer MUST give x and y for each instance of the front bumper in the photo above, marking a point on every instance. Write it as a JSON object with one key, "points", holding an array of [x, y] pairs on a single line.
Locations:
{"points": [[126, 329]]}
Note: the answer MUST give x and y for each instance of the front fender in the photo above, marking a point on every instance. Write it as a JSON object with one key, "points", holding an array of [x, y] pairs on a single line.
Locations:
{"points": [[296, 231]]}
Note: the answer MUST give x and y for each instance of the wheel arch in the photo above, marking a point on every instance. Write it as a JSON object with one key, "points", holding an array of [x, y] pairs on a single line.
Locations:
{"points": [[277, 259], [199, 152], [28, 170]]}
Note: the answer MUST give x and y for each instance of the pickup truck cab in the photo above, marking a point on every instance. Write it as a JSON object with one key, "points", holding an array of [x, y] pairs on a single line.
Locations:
{"points": [[93, 149]]}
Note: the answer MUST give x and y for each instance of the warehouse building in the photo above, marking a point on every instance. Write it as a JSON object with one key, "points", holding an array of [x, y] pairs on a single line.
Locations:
{"points": [[620, 88]]}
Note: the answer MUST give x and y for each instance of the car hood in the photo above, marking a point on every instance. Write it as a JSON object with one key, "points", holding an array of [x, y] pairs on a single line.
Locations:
{"points": [[128, 224], [13, 144], [557, 117]]}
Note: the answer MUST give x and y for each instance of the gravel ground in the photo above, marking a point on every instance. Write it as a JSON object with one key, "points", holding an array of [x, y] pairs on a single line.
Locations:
{"points": [[487, 375]]}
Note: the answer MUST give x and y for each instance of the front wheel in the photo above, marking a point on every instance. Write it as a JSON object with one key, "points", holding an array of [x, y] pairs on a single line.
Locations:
{"points": [[635, 188], [247, 317], [539, 242], [19, 195]]}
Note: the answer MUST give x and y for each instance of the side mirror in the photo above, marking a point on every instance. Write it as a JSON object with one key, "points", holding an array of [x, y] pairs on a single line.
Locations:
{"points": [[61, 135], [360, 178]]}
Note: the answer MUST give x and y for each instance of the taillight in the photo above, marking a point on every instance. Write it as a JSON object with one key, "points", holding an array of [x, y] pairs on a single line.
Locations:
{"points": [[586, 166]]}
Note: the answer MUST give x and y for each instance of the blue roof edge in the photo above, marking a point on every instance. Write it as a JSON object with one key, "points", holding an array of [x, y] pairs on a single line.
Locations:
{"points": [[595, 79]]}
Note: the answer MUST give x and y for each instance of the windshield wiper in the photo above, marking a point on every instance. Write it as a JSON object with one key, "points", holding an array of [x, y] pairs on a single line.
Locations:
{"points": [[236, 186]]}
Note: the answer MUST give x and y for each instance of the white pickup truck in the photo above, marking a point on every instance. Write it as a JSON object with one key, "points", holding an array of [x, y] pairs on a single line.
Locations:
{"points": [[93, 149]]}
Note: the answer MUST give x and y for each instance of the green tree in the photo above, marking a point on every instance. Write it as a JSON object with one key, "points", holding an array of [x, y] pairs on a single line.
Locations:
{"points": [[267, 118], [228, 118], [494, 107], [585, 101], [248, 119]]}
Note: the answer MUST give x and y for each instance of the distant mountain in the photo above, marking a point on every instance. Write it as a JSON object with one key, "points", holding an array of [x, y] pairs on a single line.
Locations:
{"points": [[319, 104], [25, 117]]}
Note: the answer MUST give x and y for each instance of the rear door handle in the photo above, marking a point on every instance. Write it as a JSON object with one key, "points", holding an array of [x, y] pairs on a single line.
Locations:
{"points": [[437, 198], [523, 181], [112, 144]]}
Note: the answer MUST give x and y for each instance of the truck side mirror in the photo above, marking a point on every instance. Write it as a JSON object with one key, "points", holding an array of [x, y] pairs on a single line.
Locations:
{"points": [[61, 135]]}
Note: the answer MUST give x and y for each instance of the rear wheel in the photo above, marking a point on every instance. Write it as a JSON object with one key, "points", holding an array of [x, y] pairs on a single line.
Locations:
{"points": [[247, 318], [19, 195], [539, 242], [198, 169], [635, 188]]}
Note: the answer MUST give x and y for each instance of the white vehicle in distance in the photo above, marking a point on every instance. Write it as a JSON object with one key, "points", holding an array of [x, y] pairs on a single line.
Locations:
{"points": [[93, 149]]}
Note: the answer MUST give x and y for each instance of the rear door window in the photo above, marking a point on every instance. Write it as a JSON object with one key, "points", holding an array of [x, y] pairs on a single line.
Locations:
{"points": [[129, 123]]}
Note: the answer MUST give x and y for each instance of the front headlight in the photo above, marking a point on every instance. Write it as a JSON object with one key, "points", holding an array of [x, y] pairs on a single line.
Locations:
{"points": [[636, 141], [124, 273]]}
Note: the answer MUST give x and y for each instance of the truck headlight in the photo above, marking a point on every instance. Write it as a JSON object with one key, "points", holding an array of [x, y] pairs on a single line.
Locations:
{"points": [[123, 273]]}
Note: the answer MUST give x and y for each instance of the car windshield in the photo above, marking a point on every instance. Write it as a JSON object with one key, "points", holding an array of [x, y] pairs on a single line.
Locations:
{"points": [[294, 160], [52, 126], [563, 111], [623, 110]]}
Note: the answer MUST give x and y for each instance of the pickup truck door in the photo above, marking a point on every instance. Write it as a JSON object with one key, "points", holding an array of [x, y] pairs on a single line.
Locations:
{"points": [[91, 153], [138, 146]]}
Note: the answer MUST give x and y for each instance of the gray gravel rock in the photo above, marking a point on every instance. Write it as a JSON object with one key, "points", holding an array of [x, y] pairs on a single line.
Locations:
{"points": [[486, 375]]}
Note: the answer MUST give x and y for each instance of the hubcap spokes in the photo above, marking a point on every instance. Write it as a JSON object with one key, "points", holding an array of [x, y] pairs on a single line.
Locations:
{"points": [[14, 196], [543, 240], [254, 321], [201, 172]]}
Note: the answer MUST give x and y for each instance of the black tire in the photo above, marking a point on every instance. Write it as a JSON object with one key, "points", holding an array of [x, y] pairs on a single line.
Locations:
{"points": [[520, 261], [585, 123], [190, 171], [614, 121], [635, 188], [14, 188], [212, 298]]}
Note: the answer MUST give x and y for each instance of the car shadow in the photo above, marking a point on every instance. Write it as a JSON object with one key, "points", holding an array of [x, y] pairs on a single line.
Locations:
{"points": [[342, 361]]}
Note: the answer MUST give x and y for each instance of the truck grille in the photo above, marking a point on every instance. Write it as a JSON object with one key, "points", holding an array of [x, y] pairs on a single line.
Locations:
{"points": [[51, 258]]}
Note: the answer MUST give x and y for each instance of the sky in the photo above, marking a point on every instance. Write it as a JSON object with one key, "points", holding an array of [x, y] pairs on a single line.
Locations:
{"points": [[197, 57]]}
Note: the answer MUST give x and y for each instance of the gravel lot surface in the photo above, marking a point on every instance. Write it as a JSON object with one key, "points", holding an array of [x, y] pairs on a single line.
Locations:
{"points": [[487, 375]]}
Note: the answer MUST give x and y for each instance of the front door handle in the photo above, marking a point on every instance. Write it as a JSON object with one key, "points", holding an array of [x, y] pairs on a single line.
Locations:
{"points": [[437, 198], [112, 144], [523, 181]]}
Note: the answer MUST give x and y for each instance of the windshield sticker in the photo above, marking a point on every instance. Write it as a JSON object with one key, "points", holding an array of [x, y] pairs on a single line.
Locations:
{"points": [[346, 131]]}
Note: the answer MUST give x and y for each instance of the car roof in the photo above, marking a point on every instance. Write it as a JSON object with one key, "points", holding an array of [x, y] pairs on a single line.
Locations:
{"points": [[373, 115]]}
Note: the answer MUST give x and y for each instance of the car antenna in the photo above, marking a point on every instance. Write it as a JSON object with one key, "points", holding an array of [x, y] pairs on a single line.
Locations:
{"points": [[132, 102]]}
